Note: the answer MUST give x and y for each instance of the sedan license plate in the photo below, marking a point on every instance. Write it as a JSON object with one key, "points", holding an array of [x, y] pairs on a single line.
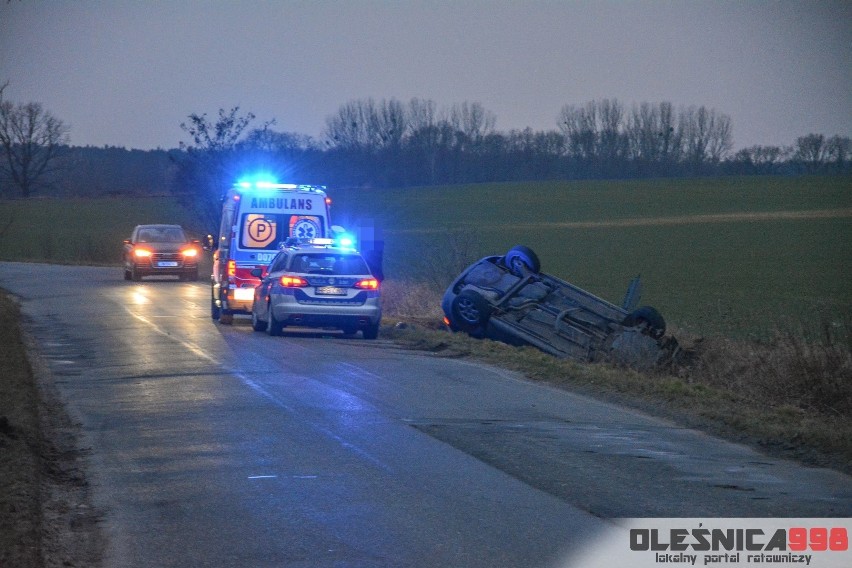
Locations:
{"points": [[167, 264], [331, 291]]}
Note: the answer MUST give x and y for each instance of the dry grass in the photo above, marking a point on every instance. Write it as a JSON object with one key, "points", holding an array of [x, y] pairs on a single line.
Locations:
{"points": [[806, 371]]}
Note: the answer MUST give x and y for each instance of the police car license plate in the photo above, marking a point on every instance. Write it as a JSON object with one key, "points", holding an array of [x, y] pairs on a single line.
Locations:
{"points": [[331, 291], [167, 264]]}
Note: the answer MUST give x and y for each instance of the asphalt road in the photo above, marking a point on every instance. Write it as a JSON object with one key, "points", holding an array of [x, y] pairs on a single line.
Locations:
{"points": [[218, 446]]}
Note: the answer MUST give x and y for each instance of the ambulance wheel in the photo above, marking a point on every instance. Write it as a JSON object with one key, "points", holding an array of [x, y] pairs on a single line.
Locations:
{"points": [[521, 258], [215, 311]]}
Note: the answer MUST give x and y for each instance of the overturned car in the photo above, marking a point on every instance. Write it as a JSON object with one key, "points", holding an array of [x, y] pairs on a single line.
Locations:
{"points": [[509, 299]]}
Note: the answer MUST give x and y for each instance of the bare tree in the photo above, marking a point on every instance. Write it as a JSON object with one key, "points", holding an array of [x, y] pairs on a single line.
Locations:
{"points": [[472, 120], [811, 150], [367, 125], [580, 127], [839, 151], [32, 139], [707, 136], [611, 140], [210, 164]]}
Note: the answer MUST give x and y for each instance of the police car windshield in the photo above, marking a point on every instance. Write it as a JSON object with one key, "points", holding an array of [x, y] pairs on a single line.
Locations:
{"points": [[329, 263]]}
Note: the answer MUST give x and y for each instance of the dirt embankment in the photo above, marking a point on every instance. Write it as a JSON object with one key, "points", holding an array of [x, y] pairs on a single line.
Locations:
{"points": [[46, 517]]}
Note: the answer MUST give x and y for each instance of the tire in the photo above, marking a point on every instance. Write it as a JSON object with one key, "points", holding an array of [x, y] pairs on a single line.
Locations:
{"points": [[650, 317], [215, 311], [226, 318], [256, 323], [192, 276], [371, 331], [126, 274], [135, 275], [470, 311], [521, 258], [273, 326]]}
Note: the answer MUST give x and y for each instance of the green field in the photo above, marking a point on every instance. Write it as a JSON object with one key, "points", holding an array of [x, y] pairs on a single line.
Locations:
{"points": [[730, 255], [79, 231]]}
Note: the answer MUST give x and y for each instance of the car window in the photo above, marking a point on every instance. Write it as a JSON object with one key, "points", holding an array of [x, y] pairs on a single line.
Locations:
{"points": [[329, 263], [278, 263]]}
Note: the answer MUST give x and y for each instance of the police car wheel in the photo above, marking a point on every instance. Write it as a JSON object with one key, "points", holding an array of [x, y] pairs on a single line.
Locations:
{"points": [[371, 331], [273, 326]]}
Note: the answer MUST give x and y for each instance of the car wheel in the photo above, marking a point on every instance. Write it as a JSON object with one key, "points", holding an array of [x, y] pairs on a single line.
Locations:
{"points": [[135, 275], [371, 331], [654, 323], [256, 323], [273, 326], [470, 311], [520, 259], [193, 276], [126, 274]]}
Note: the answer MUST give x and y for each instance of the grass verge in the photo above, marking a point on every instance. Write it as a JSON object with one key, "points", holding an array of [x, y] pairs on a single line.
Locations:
{"points": [[20, 442]]}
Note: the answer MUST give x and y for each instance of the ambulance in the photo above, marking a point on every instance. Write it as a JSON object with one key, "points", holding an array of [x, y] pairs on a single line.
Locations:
{"points": [[258, 217]]}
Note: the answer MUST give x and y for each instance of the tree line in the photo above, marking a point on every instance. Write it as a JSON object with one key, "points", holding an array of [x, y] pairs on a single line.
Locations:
{"points": [[390, 143]]}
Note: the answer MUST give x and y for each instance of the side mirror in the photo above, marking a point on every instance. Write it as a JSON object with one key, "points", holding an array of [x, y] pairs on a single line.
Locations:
{"points": [[257, 272]]}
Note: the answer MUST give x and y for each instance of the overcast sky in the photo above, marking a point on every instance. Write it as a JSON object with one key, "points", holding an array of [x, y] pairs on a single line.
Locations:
{"points": [[127, 73]]}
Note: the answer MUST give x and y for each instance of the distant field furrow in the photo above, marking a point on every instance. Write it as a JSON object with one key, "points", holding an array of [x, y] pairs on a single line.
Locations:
{"points": [[658, 221]]}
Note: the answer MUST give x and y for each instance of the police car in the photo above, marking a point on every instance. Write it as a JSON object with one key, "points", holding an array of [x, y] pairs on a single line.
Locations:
{"points": [[317, 284]]}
